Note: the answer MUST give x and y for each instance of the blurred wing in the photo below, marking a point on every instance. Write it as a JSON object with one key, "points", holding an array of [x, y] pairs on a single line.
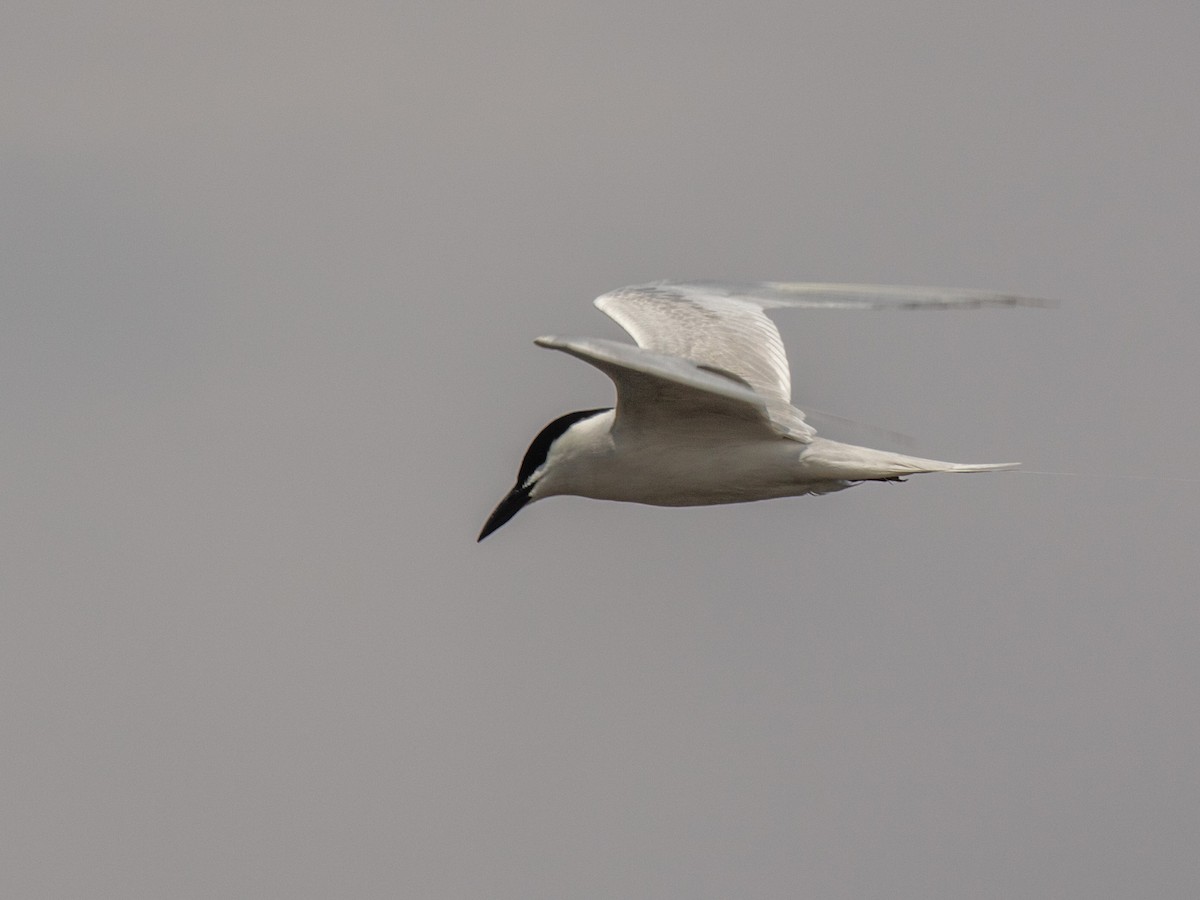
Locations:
{"points": [[815, 295], [666, 393]]}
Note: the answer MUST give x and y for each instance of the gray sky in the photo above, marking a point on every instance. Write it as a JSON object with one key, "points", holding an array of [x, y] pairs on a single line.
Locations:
{"points": [[270, 278]]}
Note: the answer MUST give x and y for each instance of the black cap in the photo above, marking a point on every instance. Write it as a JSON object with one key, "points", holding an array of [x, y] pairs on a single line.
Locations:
{"points": [[535, 457]]}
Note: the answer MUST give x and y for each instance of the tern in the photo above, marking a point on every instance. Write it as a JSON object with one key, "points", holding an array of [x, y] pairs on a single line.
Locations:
{"points": [[703, 412]]}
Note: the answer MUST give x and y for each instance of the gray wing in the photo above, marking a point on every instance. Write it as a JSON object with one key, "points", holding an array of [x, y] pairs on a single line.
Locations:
{"points": [[664, 393], [722, 325]]}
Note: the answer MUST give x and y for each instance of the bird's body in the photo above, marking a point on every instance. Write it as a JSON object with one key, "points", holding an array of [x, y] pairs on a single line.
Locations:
{"points": [[691, 466], [703, 412]]}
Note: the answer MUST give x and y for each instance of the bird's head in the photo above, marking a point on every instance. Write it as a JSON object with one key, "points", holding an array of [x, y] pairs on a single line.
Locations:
{"points": [[533, 468]]}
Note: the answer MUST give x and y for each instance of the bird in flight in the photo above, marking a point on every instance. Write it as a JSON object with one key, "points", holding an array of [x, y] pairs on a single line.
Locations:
{"points": [[703, 412]]}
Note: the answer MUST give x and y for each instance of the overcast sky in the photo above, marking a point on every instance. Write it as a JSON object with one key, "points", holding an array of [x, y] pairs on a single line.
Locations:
{"points": [[270, 277]]}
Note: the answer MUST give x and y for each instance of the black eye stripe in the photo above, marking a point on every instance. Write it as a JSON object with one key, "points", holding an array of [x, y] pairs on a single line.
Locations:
{"points": [[536, 454]]}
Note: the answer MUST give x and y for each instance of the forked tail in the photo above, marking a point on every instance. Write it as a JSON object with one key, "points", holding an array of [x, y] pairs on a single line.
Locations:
{"points": [[850, 463]]}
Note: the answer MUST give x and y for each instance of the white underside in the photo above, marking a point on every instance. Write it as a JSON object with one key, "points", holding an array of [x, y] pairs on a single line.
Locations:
{"points": [[699, 470]]}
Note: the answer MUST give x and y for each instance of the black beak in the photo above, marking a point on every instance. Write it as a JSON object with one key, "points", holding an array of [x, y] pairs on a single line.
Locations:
{"points": [[509, 507]]}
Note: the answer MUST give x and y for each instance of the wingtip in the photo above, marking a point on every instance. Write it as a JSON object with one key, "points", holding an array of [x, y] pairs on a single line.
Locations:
{"points": [[881, 296]]}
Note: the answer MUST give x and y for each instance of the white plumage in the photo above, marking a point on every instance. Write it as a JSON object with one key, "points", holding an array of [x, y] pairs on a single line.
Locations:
{"points": [[704, 412]]}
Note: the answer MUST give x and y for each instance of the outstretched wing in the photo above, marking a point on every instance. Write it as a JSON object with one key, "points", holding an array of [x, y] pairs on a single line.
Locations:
{"points": [[667, 393], [722, 325], [711, 324]]}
